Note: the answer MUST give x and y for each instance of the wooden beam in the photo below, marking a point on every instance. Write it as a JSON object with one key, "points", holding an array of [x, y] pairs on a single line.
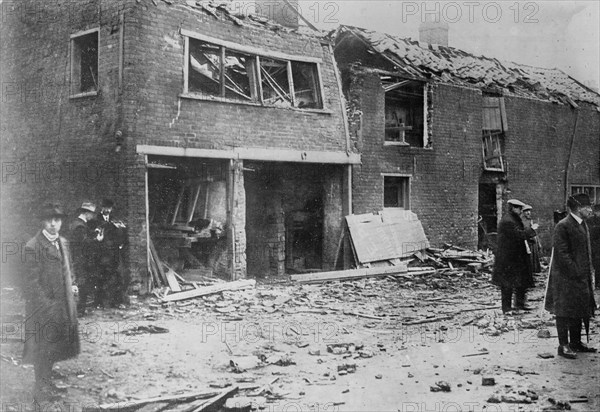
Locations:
{"points": [[209, 290], [120, 406], [254, 153], [348, 274], [172, 281], [214, 403]]}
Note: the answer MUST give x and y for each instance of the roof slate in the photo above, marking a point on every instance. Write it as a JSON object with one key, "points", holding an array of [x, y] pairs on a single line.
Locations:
{"points": [[455, 66]]}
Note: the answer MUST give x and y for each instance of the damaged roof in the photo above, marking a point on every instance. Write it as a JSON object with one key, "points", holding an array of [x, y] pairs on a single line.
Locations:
{"points": [[224, 10], [454, 66]]}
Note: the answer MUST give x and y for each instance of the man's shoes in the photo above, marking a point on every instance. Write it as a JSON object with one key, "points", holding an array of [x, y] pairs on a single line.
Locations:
{"points": [[580, 347], [566, 352], [524, 308]]}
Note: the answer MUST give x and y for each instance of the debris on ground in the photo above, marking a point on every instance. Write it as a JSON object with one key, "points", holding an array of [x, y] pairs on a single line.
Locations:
{"points": [[440, 386]]}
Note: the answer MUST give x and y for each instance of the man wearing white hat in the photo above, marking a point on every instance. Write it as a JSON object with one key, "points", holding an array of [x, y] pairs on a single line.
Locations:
{"points": [[511, 268]]}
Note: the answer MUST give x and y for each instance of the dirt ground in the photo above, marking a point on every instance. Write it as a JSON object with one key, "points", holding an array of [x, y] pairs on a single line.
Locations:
{"points": [[364, 345]]}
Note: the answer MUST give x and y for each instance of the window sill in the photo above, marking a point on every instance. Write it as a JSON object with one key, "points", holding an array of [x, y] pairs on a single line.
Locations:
{"points": [[86, 94], [390, 143], [194, 96]]}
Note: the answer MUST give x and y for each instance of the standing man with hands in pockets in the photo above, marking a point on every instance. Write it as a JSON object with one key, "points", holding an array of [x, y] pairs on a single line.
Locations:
{"points": [[570, 293]]}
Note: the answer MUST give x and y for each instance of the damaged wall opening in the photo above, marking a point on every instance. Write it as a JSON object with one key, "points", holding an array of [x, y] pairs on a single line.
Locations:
{"points": [[188, 214], [405, 103], [291, 213]]}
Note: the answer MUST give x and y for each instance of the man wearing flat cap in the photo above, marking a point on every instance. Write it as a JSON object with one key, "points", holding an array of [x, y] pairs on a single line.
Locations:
{"points": [[570, 292], [83, 249], [511, 268], [51, 330]]}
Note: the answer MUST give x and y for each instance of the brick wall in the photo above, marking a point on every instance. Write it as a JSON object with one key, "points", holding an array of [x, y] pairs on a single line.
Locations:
{"points": [[444, 179], [60, 148], [54, 147]]}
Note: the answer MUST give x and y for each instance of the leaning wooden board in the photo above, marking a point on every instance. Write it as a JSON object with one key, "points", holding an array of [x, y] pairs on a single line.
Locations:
{"points": [[392, 234]]}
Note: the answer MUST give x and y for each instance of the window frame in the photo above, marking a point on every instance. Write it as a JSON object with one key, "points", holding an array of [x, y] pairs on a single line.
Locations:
{"points": [[257, 55], [425, 134], [406, 186], [595, 189], [73, 93], [493, 113]]}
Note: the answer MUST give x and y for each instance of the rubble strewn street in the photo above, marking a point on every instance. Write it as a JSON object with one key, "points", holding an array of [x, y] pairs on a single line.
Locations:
{"points": [[420, 340]]}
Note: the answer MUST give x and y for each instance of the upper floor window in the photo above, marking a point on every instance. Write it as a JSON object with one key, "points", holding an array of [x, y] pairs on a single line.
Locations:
{"points": [[493, 127], [84, 63], [219, 71], [405, 108]]}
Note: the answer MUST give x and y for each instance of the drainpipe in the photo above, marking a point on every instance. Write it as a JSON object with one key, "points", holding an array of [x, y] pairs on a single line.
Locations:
{"points": [[347, 201], [567, 166]]}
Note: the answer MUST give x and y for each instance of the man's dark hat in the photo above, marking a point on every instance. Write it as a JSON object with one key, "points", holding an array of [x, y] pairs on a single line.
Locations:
{"points": [[579, 200], [50, 210], [107, 203]]}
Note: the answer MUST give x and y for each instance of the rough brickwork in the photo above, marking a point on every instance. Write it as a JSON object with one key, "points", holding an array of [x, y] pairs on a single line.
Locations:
{"points": [[54, 147], [61, 148], [444, 179]]}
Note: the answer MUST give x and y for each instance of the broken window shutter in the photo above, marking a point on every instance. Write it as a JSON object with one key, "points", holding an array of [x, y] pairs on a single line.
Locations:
{"points": [[503, 114], [492, 118]]}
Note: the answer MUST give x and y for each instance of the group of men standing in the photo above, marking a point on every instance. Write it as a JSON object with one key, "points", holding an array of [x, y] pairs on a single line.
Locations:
{"points": [[571, 281], [56, 269], [96, 241]]}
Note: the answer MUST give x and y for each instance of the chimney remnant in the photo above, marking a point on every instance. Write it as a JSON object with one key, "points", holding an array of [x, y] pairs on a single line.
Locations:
{"points": [[282, 12], [434, 31]]}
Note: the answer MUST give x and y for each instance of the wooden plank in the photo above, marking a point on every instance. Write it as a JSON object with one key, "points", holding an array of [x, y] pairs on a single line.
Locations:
{"points": [[159, 266], [209, 290], [141, 402], [214, 403], [348, 274], [172, 281]]}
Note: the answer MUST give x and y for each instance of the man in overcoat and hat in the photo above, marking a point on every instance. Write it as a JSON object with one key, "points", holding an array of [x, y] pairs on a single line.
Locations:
{"points": [[51, 330], [511, 268], [570, 293], [84, 249], [111, 238]]}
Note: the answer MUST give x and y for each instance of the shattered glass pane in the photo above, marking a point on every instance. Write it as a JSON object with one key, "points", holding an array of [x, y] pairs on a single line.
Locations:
{"points": [[205, 68], [275, 84], [240, 76], [306, 85]]}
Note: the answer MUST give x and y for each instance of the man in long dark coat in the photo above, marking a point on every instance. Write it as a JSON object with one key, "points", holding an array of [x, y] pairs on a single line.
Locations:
{"points": [[594, 225], [83, 250], [51, 330], [511, 268], [570, 294]]}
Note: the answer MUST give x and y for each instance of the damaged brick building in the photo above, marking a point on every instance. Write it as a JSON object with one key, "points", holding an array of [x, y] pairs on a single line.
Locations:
{"points": [[221, 136], [452, 136]]}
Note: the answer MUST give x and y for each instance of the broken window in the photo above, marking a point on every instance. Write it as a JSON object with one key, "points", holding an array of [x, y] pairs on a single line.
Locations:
{"points": [[215, 70], [493, 127], [396, 192], [404, 111], [593, 191], [84, 63], [492, 151], [306, 85], [275, 82]]}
